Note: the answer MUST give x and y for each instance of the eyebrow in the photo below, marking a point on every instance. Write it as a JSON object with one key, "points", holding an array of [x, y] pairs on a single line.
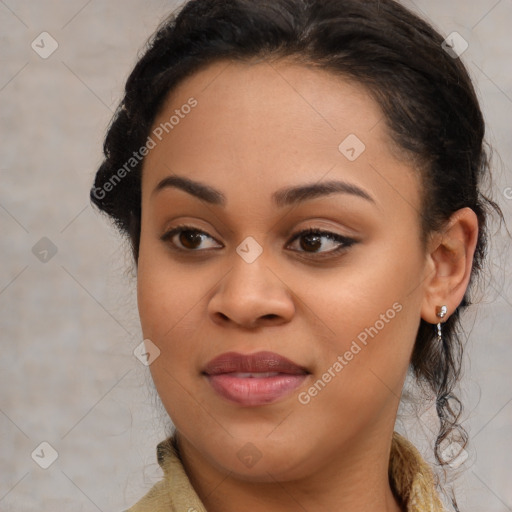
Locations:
{"points": [[283, 197]]}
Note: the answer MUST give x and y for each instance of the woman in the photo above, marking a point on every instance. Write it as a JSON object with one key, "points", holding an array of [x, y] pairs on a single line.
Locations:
{"points": [[299, 181]]}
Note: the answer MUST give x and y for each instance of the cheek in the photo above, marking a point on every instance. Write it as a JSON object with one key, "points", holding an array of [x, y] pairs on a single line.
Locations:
{"points": [[373, 316], [169, 306], [165, 293], [168, 300], [352, 299]]}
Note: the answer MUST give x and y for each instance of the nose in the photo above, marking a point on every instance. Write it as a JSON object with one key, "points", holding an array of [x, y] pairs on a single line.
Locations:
{"points": [[251, 295]]}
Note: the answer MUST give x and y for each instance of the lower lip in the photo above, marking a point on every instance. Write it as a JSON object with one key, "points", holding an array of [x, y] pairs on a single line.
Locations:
{"points": [[253, 391]]}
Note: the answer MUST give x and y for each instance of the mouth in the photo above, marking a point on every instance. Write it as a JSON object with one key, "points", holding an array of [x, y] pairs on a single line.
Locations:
{"points": [[254, 379]]}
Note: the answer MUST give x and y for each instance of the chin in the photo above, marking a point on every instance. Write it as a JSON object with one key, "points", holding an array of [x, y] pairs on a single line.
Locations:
{"points": [[265, 464]]}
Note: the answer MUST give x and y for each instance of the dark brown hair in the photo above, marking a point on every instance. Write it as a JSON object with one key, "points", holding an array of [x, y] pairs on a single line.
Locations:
{"points": [[426, 94]]}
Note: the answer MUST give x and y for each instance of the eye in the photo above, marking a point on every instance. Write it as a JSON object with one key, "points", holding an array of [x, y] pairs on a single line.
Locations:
{"points": [[312, 241], [188, 237]]}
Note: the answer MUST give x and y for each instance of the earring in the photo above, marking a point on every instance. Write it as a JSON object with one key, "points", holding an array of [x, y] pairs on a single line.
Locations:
{"points": [[441, 313]]}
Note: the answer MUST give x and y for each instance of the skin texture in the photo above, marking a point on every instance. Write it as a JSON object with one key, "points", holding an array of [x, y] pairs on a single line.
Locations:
{"points": [[259, 127]]}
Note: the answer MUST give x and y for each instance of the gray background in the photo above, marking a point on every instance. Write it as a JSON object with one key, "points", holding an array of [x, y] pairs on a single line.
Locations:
{"points": [[69, 325]]}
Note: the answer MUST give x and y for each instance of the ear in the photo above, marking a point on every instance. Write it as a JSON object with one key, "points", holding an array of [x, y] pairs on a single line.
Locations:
{"points": [[449, 262]]}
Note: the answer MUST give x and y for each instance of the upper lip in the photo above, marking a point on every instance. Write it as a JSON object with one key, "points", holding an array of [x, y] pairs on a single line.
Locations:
{"points": [[233, 362]]}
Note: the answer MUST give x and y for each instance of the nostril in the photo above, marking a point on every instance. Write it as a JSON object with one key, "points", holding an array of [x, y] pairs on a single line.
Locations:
{"points": [[270, 316]]}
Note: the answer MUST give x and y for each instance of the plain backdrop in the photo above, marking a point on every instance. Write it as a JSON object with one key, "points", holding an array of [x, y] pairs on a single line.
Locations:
{"points": [[68, 317]]}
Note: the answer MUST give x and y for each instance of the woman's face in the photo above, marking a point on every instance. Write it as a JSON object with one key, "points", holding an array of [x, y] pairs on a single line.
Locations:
{"points": [[343, 305]]}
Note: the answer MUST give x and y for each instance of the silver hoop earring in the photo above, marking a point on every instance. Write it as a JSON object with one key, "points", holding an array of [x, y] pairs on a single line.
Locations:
{"points": [[441, 313]]}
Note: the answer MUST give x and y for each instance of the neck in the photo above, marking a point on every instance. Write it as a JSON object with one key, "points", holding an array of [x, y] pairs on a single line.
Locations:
{"points": [[354, 479]]}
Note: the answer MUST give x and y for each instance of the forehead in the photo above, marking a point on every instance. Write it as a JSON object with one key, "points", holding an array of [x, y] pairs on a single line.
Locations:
{"points": [[281, 97], [266, 125]]}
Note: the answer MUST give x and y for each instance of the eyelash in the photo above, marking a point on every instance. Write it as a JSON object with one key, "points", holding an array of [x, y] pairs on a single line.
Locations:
{"points": [[344, 241]]}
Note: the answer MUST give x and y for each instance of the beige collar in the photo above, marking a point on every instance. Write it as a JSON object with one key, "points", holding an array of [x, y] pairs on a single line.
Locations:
{"points": [[411, 479]]}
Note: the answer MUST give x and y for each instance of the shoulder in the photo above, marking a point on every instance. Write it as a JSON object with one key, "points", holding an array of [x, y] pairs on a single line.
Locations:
{"points": [[174, 493], [158, 499]]}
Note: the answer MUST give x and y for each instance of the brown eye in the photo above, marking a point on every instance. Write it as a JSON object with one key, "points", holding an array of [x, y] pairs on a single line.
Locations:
{"points": [[190, 239], [311, 240], [185, 238]]}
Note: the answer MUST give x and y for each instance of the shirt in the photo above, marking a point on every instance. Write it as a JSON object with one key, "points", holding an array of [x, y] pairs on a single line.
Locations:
{"points": [[411, 479]]}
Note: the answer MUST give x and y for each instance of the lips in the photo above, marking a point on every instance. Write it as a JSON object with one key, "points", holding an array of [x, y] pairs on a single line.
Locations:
{"points": [[261, 362], [254, 379]]}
